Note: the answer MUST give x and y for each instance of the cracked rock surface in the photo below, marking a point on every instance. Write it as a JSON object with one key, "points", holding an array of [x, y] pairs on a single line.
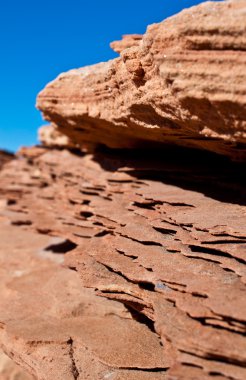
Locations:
{"points": [[166, 259], [56, 329]]}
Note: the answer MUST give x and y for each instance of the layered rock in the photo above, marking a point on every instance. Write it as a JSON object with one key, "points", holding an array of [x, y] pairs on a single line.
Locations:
{"points": [[52, 326], [182, 83], [130, 263], [149, 235], [128, 41]]}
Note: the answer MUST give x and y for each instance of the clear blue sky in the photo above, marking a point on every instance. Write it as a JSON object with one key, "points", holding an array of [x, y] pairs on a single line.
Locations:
{"points": [[40, 39]]}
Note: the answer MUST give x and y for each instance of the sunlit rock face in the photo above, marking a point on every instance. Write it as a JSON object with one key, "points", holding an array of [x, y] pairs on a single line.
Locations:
{"points": [[182, 82], [123, 235]]}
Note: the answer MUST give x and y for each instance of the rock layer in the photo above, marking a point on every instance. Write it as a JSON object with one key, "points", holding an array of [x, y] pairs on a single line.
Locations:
{"points": [[147, 235], [55, 328], [182, 83]]}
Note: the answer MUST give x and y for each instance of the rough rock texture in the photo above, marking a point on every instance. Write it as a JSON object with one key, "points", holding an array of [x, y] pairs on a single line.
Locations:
{"points": [[55, 328], [128, 41], [154, 237], [127, 264], [184, 83]]}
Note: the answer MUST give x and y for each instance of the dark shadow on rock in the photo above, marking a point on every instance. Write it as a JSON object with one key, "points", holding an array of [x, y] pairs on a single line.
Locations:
{"points": [[215, 176], [5, 157]]}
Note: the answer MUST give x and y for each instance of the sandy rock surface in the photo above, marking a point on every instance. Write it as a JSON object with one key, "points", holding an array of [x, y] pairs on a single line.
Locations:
{"points": [[183, 83], [9, 370]]}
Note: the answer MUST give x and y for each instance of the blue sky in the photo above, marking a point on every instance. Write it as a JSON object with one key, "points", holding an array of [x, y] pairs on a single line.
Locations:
{"points": [[40, 39]]}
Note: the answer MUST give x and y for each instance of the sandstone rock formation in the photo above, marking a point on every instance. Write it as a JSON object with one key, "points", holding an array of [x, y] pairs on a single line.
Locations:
{"points": [[129, 264], [183, 83], [139, 233], [55, 328], [128, 41]]}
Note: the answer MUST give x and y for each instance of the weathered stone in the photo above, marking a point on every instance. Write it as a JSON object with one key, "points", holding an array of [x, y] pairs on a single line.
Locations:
{"points": [[128, 41], [183, 84], [55, 328], [141, 233], [127, 264]]}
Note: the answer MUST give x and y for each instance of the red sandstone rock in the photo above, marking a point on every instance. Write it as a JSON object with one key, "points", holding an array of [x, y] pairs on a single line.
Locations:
{"points": [[174, 257], [55, 328], [128, 41], [130, 264], [184, 83]]}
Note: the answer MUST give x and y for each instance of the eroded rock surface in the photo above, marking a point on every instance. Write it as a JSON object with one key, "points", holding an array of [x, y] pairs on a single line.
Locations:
{"points": [[140, 232], [182, 83], [128, 41], [127, 264], [55, 328]]}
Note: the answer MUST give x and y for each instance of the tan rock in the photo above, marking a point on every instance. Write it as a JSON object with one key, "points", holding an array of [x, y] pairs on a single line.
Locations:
{"points": [[146, 234], [51, 137], [11, 371], [130, 264], [56, 329], [128, 41], [183, 83]]}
